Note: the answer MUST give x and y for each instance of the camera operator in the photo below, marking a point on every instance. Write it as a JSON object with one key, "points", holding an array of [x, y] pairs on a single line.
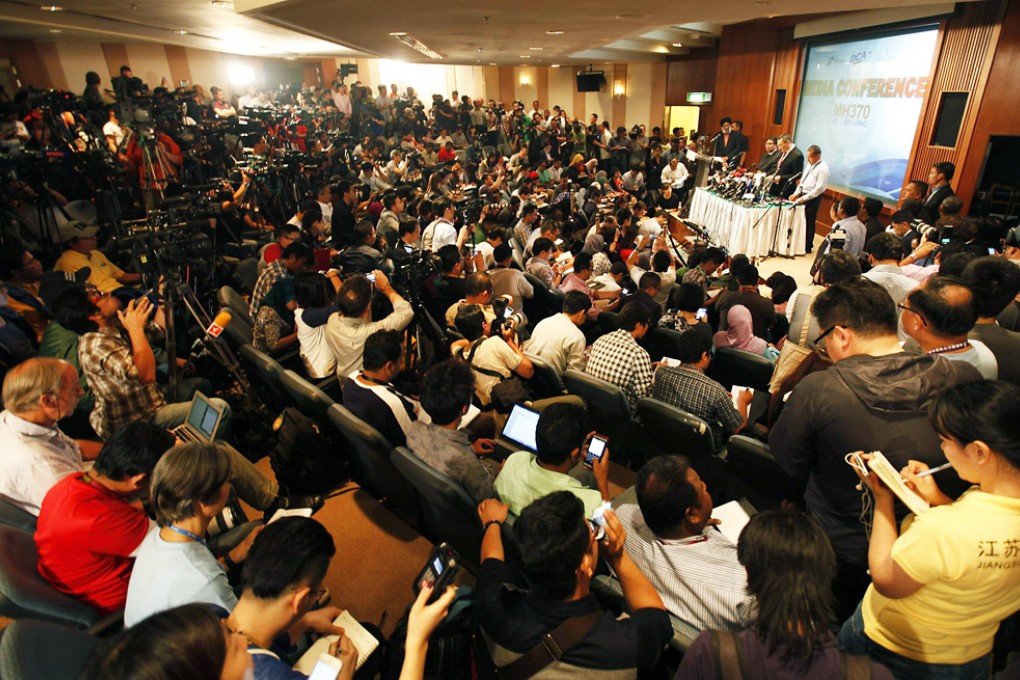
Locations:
{"points": [[221, 108], [126, 85]]}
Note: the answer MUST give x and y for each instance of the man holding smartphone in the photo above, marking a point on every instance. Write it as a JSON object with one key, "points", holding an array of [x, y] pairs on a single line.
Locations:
{"points": [[563, 437]]}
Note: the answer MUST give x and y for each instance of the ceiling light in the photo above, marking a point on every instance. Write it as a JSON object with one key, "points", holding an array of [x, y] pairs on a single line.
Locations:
{"points": [[678, 44], [241, 75], [181, 32], [417, 45], [554, 32], [54, 30], [220, 3], [525, 56], [51, 8], [492, 63], [762, 3], [554, 65], [536, 49], [397, 34]]}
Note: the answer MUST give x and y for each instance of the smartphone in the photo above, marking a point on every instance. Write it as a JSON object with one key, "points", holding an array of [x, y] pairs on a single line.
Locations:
{"points": [[439, 571], [370, 276], [947, 235], [701, 314], [596, 449], [327, 668], [508, 312]]}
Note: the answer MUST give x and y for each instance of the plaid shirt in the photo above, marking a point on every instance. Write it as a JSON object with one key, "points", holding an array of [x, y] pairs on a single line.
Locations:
{"points": [[273, 273], [689, 389], [617, 358], [107, 364]]}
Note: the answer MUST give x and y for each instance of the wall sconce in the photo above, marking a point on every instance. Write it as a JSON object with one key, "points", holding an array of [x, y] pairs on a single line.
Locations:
{"points": [[619, 90], [525, 81]]}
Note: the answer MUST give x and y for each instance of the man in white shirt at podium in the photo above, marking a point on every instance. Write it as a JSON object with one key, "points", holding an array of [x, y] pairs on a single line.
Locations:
{"points": [[809, 192]]}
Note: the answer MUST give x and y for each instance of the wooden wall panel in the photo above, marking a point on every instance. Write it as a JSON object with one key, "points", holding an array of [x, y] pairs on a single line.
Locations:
{"points": [[507, 86], [964, 62], [24, 55], [116, 56], [51, 59], [177, 58], [619, 103], [693, 73], [999, 113]]}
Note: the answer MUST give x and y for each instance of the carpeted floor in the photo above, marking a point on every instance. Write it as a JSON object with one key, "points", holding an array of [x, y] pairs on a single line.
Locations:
{"points": [[377, 556]]}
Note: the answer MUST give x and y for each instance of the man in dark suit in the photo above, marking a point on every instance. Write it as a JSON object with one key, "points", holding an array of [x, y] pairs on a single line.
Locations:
{"points": [[790, 164], [770, 159], [939, 177], [729, 143]]}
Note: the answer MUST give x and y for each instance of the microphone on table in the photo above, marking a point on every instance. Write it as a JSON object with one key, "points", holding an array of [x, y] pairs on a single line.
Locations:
{"points": [[219, 323]]}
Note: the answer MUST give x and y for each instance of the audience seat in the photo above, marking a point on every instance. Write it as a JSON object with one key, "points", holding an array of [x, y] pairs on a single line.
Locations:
{"points": [[544, 304], [662, 342], [736, 367], [37, 650], [375, 471], [247, 273], [235, 304], [610, 412], [446, 511], [13, 516], [673, 430], [757, 474], [609, 322], [24, 593], [546, 382], [437, 337], [269, 375], [238, 332], [308, 398]]}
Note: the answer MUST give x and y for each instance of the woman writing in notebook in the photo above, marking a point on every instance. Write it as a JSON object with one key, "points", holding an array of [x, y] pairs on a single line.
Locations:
{"points": [[942, 585]]}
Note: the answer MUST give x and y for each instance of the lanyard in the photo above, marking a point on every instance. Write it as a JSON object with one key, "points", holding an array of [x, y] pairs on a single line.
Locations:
{"points": [[185, 532]]}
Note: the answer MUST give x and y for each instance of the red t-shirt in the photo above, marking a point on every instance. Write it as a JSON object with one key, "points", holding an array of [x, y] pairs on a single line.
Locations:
{"points": [[272, 252], [85, 536], [445, 155]]}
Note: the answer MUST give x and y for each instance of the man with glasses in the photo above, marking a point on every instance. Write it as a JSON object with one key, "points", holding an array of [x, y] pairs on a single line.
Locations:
{"points": [[875, 398], [285, 235]]}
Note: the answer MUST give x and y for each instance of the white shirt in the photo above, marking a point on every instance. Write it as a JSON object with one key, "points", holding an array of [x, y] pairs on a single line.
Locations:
{"points": [[649, 226], [559, 342], [813, 182], [32, 459], [315, 352], [111, 129], [675, 177], [327, 213], [342, 102], [247, 100], [439, 233]]}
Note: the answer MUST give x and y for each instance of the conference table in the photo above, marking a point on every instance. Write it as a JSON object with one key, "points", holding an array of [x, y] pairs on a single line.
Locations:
{"points": [[749, 229]]}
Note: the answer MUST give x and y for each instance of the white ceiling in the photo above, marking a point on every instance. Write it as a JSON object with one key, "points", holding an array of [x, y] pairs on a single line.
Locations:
{"points": [[477, 32]]}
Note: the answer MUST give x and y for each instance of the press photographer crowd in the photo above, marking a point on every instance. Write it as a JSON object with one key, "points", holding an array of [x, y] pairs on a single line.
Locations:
{"points": [[633, 454]]}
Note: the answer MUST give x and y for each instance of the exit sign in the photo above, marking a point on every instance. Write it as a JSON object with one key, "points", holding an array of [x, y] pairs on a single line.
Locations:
{"points": [[699, 97]]}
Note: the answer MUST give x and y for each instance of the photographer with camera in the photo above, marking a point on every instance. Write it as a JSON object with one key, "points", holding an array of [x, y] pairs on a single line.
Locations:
{"points": [[347, 331]]}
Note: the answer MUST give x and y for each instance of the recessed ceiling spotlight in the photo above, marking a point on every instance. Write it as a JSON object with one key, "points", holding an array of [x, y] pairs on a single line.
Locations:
{"points": [[554, 65], [54, 30], [398, 33], [536, 49], [492, 63], [678, 44], [762, 3], [525, 56], [51, 8], [181, 32], [554, 32]]}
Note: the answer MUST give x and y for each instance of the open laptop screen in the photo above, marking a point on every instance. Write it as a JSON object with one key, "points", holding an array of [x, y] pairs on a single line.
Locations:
{"points": [[203, 417], [521, 426]]}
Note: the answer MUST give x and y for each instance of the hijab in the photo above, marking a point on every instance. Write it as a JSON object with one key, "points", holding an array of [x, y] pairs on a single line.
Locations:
{"points": [[739, 333]]}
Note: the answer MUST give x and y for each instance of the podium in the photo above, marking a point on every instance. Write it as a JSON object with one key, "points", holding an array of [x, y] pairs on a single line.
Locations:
{"points": [[703, 170]]}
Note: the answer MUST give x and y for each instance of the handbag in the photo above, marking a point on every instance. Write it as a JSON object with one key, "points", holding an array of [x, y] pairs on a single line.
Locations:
{"points": [[791, 356], [504, 394]]}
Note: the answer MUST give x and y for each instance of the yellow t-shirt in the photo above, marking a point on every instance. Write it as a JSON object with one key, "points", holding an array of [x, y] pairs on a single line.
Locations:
{"points": [[104, 273], [967, 555]]}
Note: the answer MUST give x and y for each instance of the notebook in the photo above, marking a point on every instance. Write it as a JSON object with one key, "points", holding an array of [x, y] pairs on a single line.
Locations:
{"points": [[363, 641], [733, 517], [881, 466], [203, 421]]}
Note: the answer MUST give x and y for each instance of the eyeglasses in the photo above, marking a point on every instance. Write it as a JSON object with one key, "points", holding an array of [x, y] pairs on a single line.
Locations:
{"points": [[920, 316], [818, 341]]}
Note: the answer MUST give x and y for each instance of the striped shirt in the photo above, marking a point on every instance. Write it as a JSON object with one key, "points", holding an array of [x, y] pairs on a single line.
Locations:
{"points": [[699, 579]]}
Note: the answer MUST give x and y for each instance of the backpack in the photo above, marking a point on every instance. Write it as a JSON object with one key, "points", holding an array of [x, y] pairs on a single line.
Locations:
{"points": [[304, 460]]}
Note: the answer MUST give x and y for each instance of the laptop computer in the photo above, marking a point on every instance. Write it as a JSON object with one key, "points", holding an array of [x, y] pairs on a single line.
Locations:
{"points": [[203, 423], [518, 433]]}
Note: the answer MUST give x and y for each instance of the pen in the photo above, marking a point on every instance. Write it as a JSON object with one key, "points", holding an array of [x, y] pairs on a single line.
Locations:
{"points": [[933, 470]]}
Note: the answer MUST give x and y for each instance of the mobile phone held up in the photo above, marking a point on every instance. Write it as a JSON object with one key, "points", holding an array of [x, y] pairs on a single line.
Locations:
{"points": [[439, 571], [596, 449], [327, 668]]}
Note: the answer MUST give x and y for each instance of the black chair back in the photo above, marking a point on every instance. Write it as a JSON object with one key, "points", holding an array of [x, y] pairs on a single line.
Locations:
{"points": [[32, 650], [308, 398], [736, 367], [662, 342], [13, 516], [447, 511], [232, 300], [751, 464], [546, 382], [375, 472], [24, 594], [674, 430], [238, 332], [606, 402], [609, 322], [266, 375]]}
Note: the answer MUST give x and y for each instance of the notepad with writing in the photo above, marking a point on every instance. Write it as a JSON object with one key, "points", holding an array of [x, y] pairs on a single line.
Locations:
{"points": [[881, 466], [294, 512], [363, 641]]}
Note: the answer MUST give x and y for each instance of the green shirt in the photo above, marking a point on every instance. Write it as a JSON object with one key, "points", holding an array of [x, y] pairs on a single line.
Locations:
{"points": [[61, 343], [522, 481]]}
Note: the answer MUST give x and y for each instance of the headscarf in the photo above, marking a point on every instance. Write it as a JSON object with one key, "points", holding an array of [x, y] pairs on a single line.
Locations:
{"points": [[739, 333]]}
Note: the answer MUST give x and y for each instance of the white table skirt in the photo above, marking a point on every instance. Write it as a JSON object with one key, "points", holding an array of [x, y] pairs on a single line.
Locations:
{"points": [[733, 225]]}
